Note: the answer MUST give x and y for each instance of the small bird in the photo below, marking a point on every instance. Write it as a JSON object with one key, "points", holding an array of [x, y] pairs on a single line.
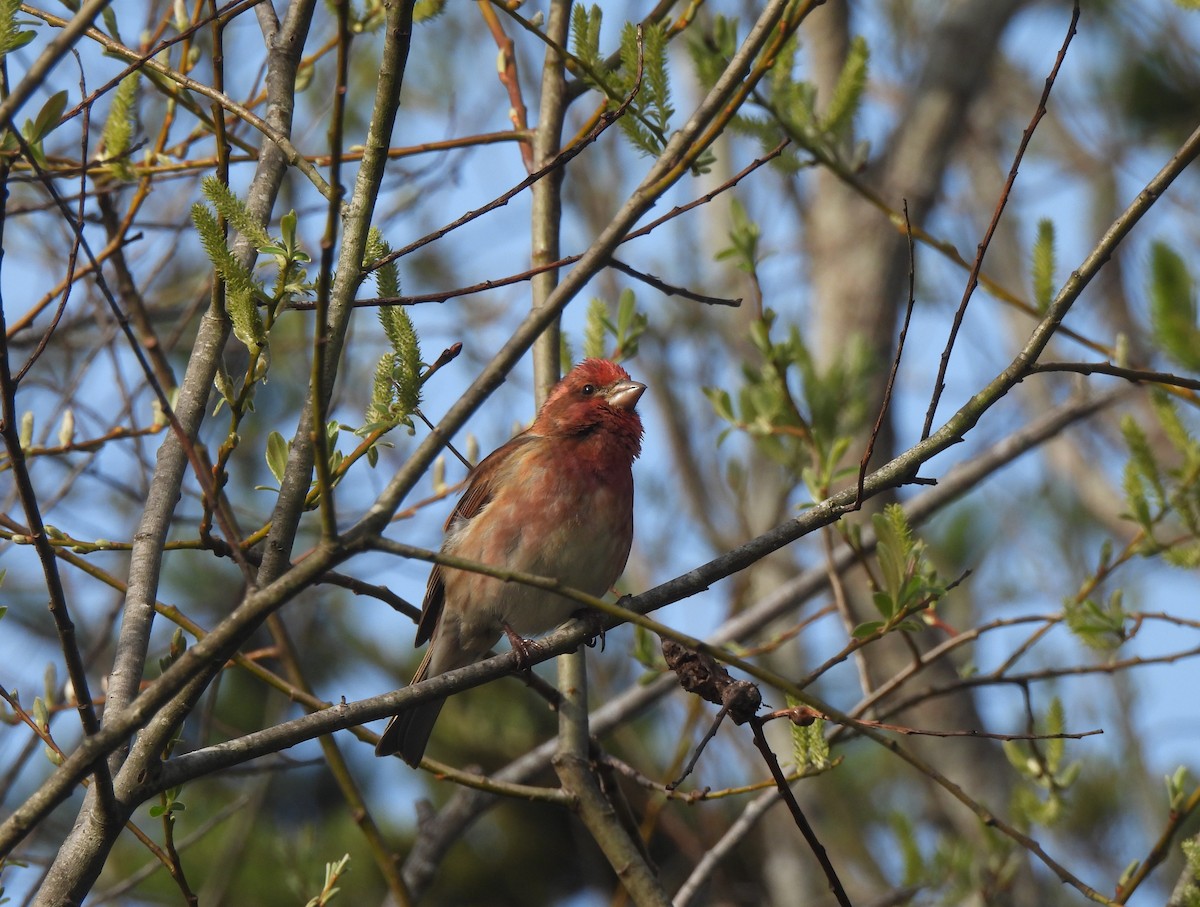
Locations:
{"points": [[555, 501]]}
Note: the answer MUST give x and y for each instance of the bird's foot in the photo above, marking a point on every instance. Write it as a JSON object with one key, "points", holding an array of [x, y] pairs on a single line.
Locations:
{"points": [[594, 622], [524, 649]]}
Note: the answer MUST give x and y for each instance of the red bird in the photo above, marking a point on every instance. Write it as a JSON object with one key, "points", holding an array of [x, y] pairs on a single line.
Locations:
{"points": [[555, 501]]}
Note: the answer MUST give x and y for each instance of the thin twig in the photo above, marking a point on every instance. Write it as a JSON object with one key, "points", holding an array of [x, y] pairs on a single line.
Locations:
{"points": [[891, 381], [977, 266], [785, 792], [483, 286], [733, 836], [1135, 375], [925, 732], [670, 290], [506, 70], [503, 199]]}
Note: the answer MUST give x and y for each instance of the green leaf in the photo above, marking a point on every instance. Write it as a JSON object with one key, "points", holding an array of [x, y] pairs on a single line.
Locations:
{"points": [[893, 548], [722, 403], [277, 455], [743, 251], [1016, 756], [48, 117], [1175, 787], [1099, 627], [885, 604], [915, 871], [646, 649], [1142, 471], [110, 22], [425, 10], [41, 716], [866, 629]]}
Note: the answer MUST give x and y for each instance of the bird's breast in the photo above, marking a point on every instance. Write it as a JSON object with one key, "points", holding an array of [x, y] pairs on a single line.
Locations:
{"points": [[547, 517]]}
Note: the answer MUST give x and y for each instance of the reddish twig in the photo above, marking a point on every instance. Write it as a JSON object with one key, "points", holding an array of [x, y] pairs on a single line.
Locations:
{"points": [[506, 70]]}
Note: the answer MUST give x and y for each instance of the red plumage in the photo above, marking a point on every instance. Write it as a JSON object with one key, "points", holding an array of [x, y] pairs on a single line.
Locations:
{"points": [[555, 501]]}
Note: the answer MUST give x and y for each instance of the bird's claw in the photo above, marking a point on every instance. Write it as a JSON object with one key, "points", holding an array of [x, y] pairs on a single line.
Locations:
{"points": [[524, 649], [593, 621]]}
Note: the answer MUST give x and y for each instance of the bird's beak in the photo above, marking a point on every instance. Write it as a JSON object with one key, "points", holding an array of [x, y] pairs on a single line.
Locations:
{"points": [[625, 394]]}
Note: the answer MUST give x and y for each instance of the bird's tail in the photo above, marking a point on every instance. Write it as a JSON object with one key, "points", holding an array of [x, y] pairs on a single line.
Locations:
{"points": [[408, 732]]}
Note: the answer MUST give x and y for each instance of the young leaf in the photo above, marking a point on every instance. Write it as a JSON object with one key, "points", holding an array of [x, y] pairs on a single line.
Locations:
{"points": [[277, 455], [1055, 724], [866, 629], [41, 716], [47, 117], [893, 548]]}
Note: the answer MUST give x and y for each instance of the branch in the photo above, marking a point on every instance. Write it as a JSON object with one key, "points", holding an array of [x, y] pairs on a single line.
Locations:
{"points": [[734, 835], [619, 843], [1134, 375]]}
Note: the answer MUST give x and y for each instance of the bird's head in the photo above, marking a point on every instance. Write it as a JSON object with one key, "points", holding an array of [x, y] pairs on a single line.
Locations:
{"points": [[595, 396]]}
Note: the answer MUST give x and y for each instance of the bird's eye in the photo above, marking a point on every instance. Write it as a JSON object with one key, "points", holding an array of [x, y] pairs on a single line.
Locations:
{"points": [[589, 389]]}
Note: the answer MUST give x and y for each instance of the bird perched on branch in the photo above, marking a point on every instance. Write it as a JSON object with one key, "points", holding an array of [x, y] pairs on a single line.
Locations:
{"points": [[555, 501]]}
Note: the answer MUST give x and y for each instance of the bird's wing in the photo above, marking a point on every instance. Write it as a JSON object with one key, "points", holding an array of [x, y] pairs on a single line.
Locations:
{"points": [[481, 486]]}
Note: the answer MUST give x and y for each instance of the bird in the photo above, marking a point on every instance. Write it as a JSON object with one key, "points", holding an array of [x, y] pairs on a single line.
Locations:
{"points": [[555, 501]]}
